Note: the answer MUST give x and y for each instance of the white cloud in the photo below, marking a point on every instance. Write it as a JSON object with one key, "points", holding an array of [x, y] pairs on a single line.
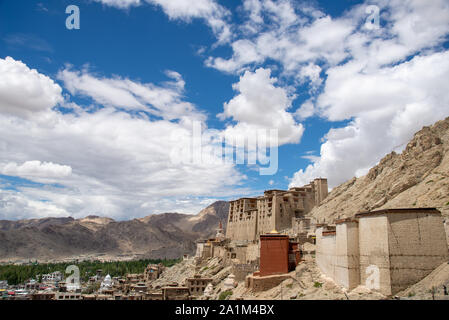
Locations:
{"points": [[311, 73], [306, 110], [245, 52], [24, 92], [121, 4], [388, 106], [162, 101], [368, 78], [261, 105], [107, 161], [36, 170], [311, 157], [294, 42], [213, 13], [15, 205], [119, 162], [210, 11], [185, 9], [310, 36]]}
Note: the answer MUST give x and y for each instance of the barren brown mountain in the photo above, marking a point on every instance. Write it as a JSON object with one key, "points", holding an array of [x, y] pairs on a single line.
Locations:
{"points": [[167, 235]]}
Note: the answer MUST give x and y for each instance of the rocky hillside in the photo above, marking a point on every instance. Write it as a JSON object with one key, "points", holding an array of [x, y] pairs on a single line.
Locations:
{"points": [[156, 236], [418, 177]]}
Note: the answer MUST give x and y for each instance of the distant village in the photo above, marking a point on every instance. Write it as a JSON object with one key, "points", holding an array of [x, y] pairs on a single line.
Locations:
{"points": [[266, 239]]}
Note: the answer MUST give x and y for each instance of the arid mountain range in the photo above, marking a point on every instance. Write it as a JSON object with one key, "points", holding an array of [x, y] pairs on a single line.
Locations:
{"points": [[167, 235]]}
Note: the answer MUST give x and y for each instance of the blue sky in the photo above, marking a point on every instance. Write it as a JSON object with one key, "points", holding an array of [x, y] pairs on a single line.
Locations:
{"points": [[87, 116]]}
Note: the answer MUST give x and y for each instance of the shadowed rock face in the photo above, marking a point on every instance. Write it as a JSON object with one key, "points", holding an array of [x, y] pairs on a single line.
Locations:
{"points": [[418, 177], [168, 235]]}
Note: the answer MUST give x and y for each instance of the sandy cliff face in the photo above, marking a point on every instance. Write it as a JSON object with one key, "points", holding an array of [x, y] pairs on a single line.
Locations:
{"points": [[418, 177]]}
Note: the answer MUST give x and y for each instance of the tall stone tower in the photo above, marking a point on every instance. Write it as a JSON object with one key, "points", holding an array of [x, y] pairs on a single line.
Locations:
{"points": [[321, 191]]}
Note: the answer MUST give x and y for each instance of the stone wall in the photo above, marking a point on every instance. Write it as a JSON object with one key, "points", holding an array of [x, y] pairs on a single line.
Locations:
{"points": [[387, 250], [347, 264], [244, 229], [326, 252], [417, 245], [241, 270], [257, 284], [219, 251], [301, 225], [252, 253], [374, 253], [321, 189]]}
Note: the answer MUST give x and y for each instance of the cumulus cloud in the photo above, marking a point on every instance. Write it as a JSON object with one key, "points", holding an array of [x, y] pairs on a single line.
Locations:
{"points": [[311, 36], [294, 41], [16, 205], [387, 97], [108, 161], [121, 4], [385, 83], [24, 92], [311, 73], [213, 13], [261, 105], [121, 165], [306, 110], [388, 106], [162, 101], [210, 11], [36, 170]]}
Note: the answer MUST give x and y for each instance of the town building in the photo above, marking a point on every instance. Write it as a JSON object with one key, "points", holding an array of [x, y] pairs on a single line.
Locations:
{"points": [[3, 284], [273, 254], [278, 256], [32, 285], [43, 295], [387, 250], [197, 285], [175, 293], [153, 271], [68, 296], [52, 277]]}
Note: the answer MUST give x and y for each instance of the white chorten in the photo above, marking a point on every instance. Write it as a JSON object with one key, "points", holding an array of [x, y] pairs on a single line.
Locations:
{"points": [[229, 283], [106, 284]]}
